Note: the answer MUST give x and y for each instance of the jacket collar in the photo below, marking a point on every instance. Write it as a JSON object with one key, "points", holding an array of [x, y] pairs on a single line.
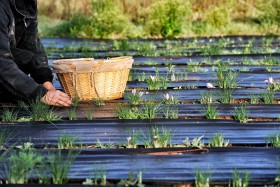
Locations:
{"points": [[27, 8]]}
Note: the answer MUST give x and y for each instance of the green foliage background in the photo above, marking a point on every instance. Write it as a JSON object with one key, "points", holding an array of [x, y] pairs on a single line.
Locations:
{"points": [[157, 18]]}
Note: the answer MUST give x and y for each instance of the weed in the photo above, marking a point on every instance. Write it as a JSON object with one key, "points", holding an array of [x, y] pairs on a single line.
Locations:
{"points": [[273, 139], [202, 178], [218, 141], [206, 97], [59, 166], [238, 180], [9, 115], [210, 112], [196, 142], [268, 97], [66, 141], [135, 97], [241, 114]]}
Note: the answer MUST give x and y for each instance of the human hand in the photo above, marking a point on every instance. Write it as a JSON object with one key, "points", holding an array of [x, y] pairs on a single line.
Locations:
{"points": [[49, 86], [56, 98]]}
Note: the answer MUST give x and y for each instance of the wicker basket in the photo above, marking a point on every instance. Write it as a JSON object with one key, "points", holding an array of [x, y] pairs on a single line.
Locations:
{"points": [[90, 79]]}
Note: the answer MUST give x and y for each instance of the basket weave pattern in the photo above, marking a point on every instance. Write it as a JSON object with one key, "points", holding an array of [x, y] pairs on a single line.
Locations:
{"points": [[96, 79]]}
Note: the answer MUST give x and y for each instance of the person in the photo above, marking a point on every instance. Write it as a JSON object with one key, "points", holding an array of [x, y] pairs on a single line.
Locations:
{"points": [[24, 70]]}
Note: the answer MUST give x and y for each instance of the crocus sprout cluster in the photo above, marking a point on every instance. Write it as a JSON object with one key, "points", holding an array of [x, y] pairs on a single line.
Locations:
{"points": [[135, 97], [169, 99], [272, 85]]}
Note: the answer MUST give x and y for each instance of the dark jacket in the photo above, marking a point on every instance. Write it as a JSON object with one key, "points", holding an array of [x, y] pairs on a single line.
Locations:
{"points": [[21, 51]]}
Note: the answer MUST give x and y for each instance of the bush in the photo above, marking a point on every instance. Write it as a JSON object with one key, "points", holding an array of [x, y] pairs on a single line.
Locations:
{"points": [[107, 18], [166, 17], [218, 17], [72, 28], [270, 13]]}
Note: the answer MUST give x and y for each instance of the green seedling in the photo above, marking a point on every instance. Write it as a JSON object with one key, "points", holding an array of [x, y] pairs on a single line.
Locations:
{"points": [[161, 139], [196, 142], [39, 111], [103, 178], [135, 97], [206, 97], [25, 146], [170, 112], [66, 141], [275, 86], [75, 101], [218, 141], [133, 139], [273, 140], [268, 97], [72, 114], [202, 178], [238, 180], [163, 82], [210, 112], [147, 49], [154, 83], [241, 114], [227, 79], [169, 99], [149, 111], [5, 135], [89, 114], [59, 166], [131, 181], [21, 165], [9, 115], [125, 112], [254, 99], [98, 102], [101, 145], [225, 96]]}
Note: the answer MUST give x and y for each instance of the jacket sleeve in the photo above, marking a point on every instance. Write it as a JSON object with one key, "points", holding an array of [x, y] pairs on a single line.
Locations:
{"points": [[41, 72], [11, 77]]}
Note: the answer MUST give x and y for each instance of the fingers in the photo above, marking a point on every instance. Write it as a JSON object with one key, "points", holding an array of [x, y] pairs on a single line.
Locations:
{"points": [[56, 98]]}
